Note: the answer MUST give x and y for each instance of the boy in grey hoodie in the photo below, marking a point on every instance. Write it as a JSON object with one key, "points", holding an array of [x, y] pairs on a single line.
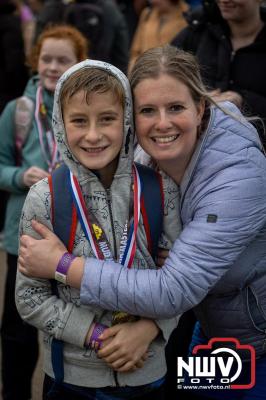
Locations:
{"points": [[93, 127]]}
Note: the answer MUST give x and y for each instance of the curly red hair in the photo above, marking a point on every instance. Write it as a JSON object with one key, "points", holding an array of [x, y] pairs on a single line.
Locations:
{"points": [[79, 41]]}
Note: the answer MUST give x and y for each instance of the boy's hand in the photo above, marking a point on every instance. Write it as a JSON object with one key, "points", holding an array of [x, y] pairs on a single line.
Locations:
{"points": [[161, 257], [228, 95], [125, 345], [39, 257]]}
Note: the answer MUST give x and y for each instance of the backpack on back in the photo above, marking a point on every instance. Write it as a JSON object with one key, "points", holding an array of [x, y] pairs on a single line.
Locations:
{"points": [[23, 119], [87, 17]]}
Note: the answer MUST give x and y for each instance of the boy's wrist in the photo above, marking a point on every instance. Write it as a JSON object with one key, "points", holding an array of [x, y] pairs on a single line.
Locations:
{"points": [[63, 266]]}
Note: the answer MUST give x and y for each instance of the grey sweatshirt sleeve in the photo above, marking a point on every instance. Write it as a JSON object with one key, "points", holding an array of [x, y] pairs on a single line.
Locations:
{"points": [[34, 299], [201, 255]]}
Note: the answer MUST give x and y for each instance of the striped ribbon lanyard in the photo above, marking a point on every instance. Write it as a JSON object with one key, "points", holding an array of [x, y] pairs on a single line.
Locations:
{"points": [[50, 151], [96, 235]]}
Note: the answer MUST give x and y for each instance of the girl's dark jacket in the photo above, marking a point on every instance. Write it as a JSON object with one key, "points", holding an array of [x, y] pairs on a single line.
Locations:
{"points": [[243, 71], [13, 72]]}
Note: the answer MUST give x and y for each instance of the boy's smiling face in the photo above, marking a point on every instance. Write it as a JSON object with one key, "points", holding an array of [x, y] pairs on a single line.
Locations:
{"points": [[95, 131]]}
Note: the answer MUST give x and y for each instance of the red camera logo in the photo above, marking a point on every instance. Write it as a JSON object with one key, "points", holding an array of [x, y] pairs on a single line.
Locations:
{"points": [[218, 365]]}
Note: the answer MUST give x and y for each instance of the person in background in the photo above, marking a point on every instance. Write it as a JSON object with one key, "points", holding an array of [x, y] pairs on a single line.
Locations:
{"points": [[27, 23], [131, 11], [158, 25], [228, 38], [51, 13], [217, 265], [93, 128], [112, 44], [194, 3], [12, 63], [57, 49], [36, 6]]}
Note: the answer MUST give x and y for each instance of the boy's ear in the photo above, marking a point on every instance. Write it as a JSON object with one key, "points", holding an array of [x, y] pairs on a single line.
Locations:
{"points": [[127, 140]]}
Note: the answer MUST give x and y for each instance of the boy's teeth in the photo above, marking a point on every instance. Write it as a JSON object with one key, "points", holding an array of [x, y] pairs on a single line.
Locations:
{"points": [[94, 149], [165, 139]]}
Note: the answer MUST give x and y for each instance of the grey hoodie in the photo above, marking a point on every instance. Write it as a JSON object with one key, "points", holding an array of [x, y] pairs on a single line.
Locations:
{"points": [[65, 318]]}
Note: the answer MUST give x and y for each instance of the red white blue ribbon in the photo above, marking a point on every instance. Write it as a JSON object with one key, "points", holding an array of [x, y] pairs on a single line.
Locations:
{"points": [[130, 250], [53, 158], [101, 247]]}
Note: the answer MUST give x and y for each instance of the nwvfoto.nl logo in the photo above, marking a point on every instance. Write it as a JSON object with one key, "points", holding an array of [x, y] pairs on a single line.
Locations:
{"points": [[218, 365]]}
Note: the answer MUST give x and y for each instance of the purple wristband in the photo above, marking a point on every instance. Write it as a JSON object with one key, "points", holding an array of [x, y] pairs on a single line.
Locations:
{"points": [[94, 339], [63, 266]]}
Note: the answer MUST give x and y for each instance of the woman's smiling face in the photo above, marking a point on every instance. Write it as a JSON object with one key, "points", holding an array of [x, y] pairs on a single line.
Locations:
{"points": [[167, 120]]}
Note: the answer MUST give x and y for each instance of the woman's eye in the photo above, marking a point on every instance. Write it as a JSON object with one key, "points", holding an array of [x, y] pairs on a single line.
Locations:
{"points": [[107, 119], [176, 107]]}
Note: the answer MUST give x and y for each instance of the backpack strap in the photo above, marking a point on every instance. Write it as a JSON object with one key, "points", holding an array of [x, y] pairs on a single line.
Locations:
{"points": [[23, 119], [64, 220], [152, 205], [64, 214]]}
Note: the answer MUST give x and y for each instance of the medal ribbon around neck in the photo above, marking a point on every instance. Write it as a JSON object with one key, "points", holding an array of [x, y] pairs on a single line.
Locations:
{"points": [[99, 243], [53, 158]]}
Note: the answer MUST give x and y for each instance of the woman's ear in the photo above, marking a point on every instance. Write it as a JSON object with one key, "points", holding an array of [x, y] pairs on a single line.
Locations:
{"points": [[200, 109]]}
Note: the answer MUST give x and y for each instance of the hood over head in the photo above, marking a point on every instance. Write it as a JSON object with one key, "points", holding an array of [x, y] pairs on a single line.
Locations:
{"points": [[126, 153]]}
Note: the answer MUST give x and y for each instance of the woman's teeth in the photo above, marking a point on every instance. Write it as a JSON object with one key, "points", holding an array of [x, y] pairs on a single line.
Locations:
{"points": [[165, 139]]}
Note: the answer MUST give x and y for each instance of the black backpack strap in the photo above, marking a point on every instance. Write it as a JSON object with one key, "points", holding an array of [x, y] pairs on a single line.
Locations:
{"points": [[152, 205], [64, 219], [62, 211]]}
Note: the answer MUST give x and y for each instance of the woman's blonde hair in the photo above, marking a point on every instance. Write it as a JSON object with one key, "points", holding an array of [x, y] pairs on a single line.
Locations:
{"points": [[92, 80], [177, 63], [78, 40], [182, 66]]}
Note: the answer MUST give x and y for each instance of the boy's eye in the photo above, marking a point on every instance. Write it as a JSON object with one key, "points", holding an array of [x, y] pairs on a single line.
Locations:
{"points": [[146, 110], [108, 118]]}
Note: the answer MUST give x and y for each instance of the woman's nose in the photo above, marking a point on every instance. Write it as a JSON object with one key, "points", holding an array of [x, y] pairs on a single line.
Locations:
{"points": [[163, 122]]}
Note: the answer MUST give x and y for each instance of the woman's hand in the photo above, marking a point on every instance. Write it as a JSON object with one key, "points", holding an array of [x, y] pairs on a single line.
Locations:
{"points": [[39, 257], [228, 95], [125, 345], [33, 175]]}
